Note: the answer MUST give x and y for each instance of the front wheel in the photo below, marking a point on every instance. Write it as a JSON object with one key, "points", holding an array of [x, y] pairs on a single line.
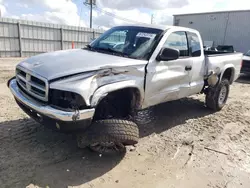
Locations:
{"points": [[216, 96], [109, 136]]}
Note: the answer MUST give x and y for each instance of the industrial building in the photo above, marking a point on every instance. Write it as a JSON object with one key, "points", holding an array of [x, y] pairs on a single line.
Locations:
{"points": [[220, 28]]}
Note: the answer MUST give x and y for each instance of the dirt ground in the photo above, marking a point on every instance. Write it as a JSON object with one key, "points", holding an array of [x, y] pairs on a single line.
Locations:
{"points": [[174, 149]]}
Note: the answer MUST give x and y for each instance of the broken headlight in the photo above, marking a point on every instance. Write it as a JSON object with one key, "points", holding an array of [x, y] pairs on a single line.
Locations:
{"points": [[66, 100]]}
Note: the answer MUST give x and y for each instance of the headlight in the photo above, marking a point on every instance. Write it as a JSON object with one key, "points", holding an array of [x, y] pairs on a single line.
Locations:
{"points": [[66, 100]]}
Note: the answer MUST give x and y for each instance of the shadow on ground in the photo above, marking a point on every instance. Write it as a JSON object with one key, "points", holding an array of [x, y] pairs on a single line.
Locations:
{"points": [[32, 154], [165, 116], [244, 79]]}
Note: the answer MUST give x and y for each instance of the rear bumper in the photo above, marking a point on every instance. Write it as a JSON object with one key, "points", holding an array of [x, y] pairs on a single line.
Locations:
{"points": [[245, 67], [47, 111]]}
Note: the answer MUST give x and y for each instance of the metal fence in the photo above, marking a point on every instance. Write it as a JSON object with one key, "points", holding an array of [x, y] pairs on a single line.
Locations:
{"points": [[22, 38]]}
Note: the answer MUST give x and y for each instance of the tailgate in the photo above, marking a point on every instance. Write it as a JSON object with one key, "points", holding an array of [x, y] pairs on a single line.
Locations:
{"points": [[245, 65]]}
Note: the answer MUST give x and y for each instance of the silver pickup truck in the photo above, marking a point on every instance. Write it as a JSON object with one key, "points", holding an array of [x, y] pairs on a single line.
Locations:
{"points": [[98, 89]]}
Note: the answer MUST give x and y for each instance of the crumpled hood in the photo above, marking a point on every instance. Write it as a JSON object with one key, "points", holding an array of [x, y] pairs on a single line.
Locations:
{"points": [[67, 62]]}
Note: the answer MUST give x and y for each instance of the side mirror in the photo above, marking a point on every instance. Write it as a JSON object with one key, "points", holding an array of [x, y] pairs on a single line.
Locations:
{"points": [[168, 54]]}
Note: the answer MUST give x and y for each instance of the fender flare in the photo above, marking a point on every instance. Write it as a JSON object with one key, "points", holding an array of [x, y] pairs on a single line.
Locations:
{"points": [[228, 66], [103, 91]]}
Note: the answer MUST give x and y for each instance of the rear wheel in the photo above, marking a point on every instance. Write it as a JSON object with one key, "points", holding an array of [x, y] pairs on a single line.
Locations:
{"points": [[109, 136], [216, 96]]}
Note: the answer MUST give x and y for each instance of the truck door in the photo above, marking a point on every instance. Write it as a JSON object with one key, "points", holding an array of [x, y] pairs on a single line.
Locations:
{"points": [[169, 80], [198, 69]]}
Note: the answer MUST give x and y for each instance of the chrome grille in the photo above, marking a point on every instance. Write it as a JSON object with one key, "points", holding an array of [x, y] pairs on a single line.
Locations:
{"points": [[33, 84]]}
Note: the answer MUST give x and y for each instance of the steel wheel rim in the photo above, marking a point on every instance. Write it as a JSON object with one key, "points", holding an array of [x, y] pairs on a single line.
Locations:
{"points": [[107, 147], [223, 95]]}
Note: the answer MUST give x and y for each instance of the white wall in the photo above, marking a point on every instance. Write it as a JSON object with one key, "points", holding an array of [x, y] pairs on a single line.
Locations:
{"points": [[229, 28]]}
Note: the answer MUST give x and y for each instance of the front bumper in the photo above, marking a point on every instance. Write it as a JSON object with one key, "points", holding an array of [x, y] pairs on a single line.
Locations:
{"points": [[46, 110]]}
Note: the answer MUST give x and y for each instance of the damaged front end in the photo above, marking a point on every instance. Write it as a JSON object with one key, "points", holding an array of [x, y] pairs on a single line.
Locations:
{"points": [[64, 113], [87, 89], [66, 100], [72, 100]]}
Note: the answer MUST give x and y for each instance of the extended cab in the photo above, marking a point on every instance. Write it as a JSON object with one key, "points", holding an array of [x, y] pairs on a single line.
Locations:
{"points": [[100, 87]]}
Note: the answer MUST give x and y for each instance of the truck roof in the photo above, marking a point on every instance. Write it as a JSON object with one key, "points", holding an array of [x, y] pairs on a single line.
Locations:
{"points": [[162, 27]]}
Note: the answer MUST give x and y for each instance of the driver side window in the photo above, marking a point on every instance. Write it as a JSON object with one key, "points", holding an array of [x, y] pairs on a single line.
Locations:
{"points": [[178, 40]]}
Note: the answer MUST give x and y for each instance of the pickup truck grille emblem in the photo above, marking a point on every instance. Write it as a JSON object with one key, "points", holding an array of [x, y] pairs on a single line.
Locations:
{"points": [[28, 79], [33, 84]]}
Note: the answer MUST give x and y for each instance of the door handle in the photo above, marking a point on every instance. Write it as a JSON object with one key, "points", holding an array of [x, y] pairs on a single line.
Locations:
{"points": [[188, 68]]}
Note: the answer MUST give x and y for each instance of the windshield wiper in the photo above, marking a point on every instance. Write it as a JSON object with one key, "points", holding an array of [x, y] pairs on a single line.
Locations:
{"points": [[113, 51], [89, 47]]}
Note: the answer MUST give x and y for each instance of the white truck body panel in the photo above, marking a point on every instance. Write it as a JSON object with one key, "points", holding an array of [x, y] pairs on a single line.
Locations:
{"points": [[219, 63], [246, 58]]}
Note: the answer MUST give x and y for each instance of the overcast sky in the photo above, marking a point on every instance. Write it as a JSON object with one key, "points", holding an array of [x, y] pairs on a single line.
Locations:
{"points": [[74, 12]]}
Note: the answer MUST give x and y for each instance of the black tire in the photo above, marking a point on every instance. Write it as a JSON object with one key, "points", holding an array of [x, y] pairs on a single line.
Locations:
{"points": [[118, 132], [213, 95]]}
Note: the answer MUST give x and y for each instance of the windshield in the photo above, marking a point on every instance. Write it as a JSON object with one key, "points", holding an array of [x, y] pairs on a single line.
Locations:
{"points": [[128, 41]]}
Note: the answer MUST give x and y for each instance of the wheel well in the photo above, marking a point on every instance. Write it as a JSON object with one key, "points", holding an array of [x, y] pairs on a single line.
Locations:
{"points": [[228, 74], [125, 102]]}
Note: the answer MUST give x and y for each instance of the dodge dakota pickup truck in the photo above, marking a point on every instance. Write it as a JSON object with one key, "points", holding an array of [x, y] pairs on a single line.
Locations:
{"points": [[96, 91]]}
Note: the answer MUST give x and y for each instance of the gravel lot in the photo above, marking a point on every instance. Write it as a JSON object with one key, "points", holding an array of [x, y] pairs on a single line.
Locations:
{"points": [[171, 152]]}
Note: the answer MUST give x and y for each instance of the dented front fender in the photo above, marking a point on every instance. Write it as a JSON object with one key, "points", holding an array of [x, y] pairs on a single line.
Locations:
{"points": [[103, 91], [93, 86]]}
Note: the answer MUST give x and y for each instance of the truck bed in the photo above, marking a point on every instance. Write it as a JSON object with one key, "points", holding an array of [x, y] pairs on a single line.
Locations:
{"points": [[215, 59], [210, 52]]}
